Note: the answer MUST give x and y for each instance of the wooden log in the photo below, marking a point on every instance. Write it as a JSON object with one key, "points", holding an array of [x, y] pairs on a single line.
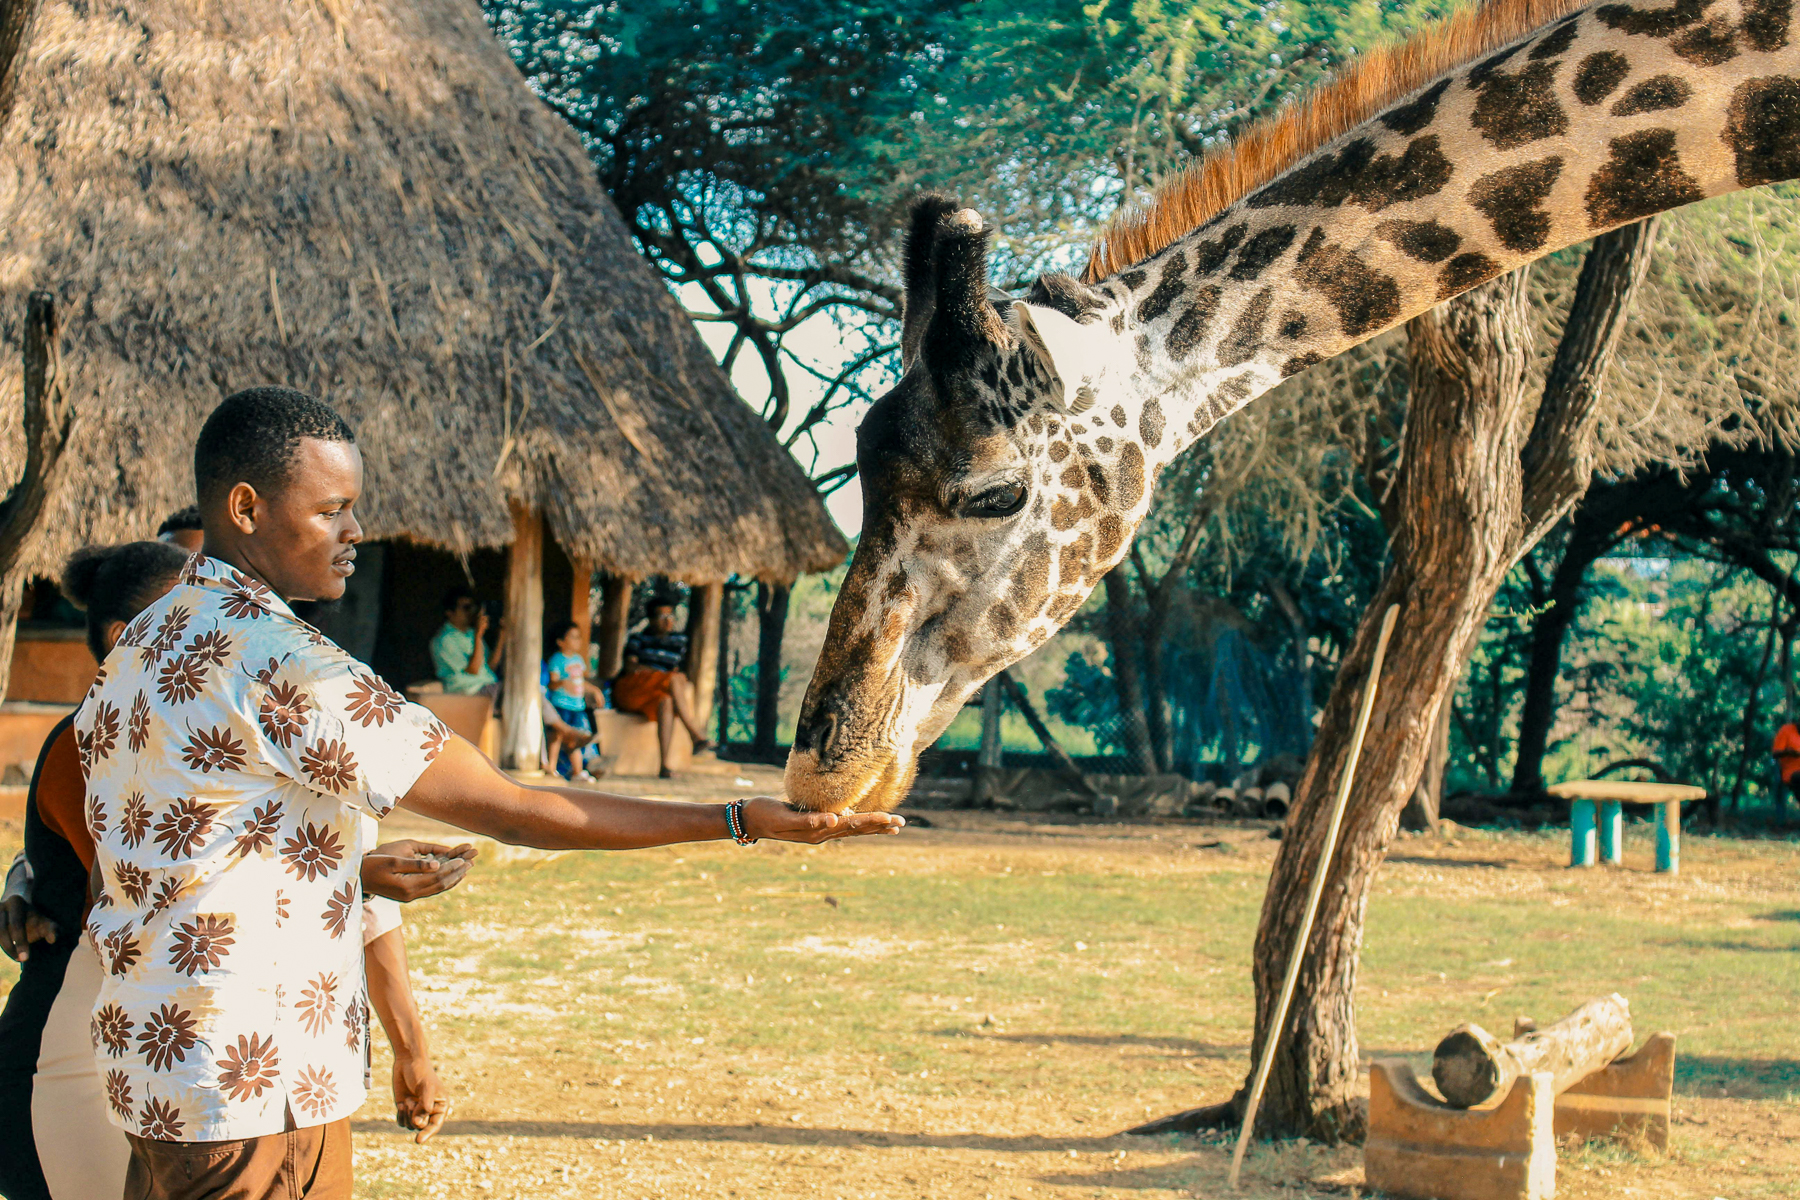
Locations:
{"points": [[1472, 1065], [523, 738]]}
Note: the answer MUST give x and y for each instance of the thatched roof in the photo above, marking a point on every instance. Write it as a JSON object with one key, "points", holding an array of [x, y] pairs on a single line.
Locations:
{"points": [[364, 200]]}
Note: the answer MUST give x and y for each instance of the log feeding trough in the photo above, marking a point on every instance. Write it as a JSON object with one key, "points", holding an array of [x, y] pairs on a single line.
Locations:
{"points": [[1493, 1136]]}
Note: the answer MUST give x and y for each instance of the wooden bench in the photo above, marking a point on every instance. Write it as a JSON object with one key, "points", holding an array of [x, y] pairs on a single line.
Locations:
{"points": [[1594, 808]]}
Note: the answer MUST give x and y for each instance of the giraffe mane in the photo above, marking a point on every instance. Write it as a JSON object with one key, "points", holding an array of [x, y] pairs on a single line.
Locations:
{"points": [[1268, 147]]}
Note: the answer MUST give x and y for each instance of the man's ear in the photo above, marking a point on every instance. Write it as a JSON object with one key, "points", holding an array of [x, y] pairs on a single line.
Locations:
{"points": [[240, 508], [1075, 353]]}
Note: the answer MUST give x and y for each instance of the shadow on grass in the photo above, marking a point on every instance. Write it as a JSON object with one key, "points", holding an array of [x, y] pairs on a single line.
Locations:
{"points": [[1779, 916], [1420, 860], [1184, 1045], [762, 1135], [1736, 1078]]}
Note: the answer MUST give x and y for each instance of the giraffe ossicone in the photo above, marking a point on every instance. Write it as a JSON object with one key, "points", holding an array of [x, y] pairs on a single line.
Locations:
{"points": [[1006, 472]]}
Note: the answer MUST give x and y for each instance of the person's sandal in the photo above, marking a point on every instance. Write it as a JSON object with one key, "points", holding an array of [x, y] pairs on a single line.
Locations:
{"points": [[665, 773], [703, 745]]}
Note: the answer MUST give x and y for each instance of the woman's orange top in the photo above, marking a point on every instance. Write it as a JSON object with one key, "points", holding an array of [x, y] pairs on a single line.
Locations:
{"points": [[62, 796], [1787, 750]]}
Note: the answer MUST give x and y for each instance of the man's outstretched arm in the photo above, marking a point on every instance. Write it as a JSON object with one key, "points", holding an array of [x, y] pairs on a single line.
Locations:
{"points": [[462, 788]]}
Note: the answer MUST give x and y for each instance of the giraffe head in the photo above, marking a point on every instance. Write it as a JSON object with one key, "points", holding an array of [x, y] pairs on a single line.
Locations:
{"points": [[1001, 478]]}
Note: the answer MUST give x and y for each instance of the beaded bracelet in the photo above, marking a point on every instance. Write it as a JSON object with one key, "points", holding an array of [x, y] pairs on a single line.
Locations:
{"points": [[734, 821]]}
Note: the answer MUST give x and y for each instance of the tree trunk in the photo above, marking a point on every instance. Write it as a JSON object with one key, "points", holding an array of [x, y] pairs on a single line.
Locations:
{"points": [[727, 610], [48, 421], [772, 610], [1472, 496], [1133, 728], [15, 36], [1548, 631], [1156, 695], [1421, 812]]}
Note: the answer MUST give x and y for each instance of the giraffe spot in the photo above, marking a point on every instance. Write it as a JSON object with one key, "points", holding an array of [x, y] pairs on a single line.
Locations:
{"points": [[1642, 176], [1765, 24], [1072, 560], [956, 647], [1652, 22], [1098, 483], [1510, 200], [1262, 250], [1556, 41], [1150, 423], [1035, 425], [1014, 373], [1654, 94], [990, 375], [1484, 70], [1074, 476], [896, 585], [1210, 255], [1031, 576], [1236, 390], [1365, 299], [1111, 534], [1104, 445], [1064, 606], [1299, 363], [1515, 109], [1598, 75], [1409, 118], [1191, 326], [1131, 476], [1762, 127], [1002, 620], [1167, 289], [1134, 279], [1708, 45], [1058, 451], [1464, 272], [1078, 430], [1245, 338], [1118, 322], [1356, 174], [1426, 241], [1118, 415]]}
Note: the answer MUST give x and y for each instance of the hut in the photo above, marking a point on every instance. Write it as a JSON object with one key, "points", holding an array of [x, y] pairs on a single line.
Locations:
{"points": [[366, 201]]}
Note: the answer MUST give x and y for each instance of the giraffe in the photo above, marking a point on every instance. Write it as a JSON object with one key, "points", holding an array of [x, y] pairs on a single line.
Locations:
{"points": [[1006, 472]]}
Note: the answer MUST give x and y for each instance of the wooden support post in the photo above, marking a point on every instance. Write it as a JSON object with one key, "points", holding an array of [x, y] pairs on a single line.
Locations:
{"points": [[581, 598], [522, 741], [1471, 1066], [1668, 837], [1045, 738], [1419, 1149], [1581, 833], [991, 755], [724, 681], [705, 605], [1612, 832], [615, 623]]}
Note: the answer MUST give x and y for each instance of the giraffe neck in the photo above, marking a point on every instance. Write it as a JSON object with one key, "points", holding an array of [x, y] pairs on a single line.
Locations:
{"points": [[1604, 117]]}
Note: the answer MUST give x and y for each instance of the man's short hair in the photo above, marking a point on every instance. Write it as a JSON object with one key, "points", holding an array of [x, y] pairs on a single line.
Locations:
{"points": [[656, 602], [180, 521], [252, 438], [455, 594]]}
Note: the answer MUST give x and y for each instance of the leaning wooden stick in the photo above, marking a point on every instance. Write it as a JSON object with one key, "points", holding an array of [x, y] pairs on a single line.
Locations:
{"points": [[1312, 897]]}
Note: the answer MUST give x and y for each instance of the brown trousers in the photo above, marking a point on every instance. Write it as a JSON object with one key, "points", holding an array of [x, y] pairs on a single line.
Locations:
{"points": [[302, 1164]]}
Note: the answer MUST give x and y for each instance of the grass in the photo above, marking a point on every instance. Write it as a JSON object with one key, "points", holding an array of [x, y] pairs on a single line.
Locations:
{"points": [[977, 1010]]}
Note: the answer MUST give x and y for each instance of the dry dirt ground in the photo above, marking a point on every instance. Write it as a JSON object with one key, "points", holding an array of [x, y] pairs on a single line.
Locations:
{"points": [[975, 1009]]}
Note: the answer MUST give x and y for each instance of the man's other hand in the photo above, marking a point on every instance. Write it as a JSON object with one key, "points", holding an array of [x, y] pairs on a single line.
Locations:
{"points": [[767, 817], [21, 925], [407, 870], [420, 1103]]}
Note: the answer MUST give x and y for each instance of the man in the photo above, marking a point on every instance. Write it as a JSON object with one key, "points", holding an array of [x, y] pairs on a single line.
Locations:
{"points": [[651, 683], [230, 752], [459, 652]]}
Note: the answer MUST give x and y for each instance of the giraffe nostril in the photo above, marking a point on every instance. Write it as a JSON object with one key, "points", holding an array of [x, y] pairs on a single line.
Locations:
{"points": [[826, 742]]}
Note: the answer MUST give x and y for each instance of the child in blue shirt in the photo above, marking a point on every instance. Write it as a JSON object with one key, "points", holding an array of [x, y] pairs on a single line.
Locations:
{"points": [[567, 689]]}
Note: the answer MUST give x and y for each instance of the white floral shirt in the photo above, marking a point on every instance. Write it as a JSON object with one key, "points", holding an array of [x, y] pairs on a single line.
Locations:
{"points": [[231, 751]]}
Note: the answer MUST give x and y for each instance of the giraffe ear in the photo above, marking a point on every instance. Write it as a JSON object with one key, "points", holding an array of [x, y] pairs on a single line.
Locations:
{"points": [[928, 212], [1074, 353]]}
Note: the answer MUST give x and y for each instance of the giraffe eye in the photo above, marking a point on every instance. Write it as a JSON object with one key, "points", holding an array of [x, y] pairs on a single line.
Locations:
{"points": [[1001, 501]]}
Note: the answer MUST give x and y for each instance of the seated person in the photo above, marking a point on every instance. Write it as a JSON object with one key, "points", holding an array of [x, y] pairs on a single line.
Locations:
{"points": [[565, 684], [651, 682], [464, 664]]}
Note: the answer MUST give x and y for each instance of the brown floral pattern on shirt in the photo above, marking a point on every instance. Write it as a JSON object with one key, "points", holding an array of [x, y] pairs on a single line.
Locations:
{"points": [[201, 944], [312, 852], [249, 1068], [315, 1091], [160, 1120], [171, 889], [133, 881], [118, 1092], [111, 1030], [137, 727], [215, 749], [317, 1002], [135, 822], [122, 953], [167, 1037], [282, 713], [105, 733], [183, 827], [330, 766], [338, 909], [259, 830], [373, 702]]}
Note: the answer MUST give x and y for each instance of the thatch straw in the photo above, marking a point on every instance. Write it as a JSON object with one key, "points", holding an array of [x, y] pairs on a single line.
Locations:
{"points": [[365, 201]]}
